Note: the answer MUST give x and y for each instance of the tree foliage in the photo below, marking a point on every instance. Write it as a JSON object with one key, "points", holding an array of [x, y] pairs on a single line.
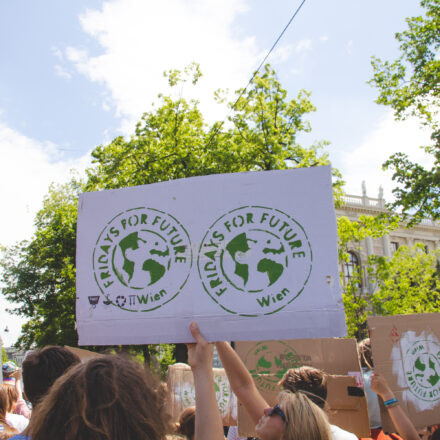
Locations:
{"points": [[356, 299], [4, 356], [409, 282], [171, 141], [40, 275], [410, 85]]}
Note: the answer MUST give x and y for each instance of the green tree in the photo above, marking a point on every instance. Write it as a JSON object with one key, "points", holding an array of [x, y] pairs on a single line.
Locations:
{"points": [[410, 86], [408, 282], [170, 142], [4, 356], [357, 300], [173, 141], [40, 274]]}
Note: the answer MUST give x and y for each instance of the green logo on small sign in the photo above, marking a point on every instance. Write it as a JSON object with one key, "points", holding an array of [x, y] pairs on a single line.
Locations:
{"points": [[186, 393], [255, 260], [269, 361], [422, 370], [142, 259]]}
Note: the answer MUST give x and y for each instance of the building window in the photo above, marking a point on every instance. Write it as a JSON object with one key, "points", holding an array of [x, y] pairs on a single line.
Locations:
{"points": [[394, 245], [350, 267]]}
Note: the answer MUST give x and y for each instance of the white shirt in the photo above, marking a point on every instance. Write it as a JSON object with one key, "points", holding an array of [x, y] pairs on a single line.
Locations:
{"points": [[233, 434], [17, 421], [340, 434]]}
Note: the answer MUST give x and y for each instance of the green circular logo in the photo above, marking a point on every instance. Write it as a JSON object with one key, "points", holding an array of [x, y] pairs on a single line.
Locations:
{"points": [[268, 362], [142, 259], [185, 392], [255, 260], [422, 370]]}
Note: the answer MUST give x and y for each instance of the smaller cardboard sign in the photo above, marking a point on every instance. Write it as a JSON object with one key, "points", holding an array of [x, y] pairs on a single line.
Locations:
{"points": [[182, 395], [84, 355], [406, 351], [268, 361]]}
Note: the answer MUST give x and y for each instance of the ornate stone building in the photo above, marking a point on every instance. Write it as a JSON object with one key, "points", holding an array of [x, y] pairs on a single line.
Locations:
{"points": [[426, 232]]}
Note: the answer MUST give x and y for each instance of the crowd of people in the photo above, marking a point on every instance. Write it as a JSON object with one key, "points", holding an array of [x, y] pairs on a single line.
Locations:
{"points": [[110, 397]]}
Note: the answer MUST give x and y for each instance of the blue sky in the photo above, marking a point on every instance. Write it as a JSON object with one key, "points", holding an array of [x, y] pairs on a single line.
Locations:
{"points": [[75, 74]]}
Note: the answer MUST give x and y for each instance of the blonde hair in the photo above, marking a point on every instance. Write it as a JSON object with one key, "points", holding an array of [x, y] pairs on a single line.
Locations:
{"points": [[305, 420]]}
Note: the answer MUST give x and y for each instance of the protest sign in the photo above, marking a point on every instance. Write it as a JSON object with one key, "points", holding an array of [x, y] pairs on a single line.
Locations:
{"points": [[84, 355], [249, 256], [406, 351], [182, 395], [268, 361]]}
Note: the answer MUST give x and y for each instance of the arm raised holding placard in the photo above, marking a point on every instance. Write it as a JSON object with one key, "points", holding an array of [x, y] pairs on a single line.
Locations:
{"points": [[208, 422], [401, 421], [241, 381]]}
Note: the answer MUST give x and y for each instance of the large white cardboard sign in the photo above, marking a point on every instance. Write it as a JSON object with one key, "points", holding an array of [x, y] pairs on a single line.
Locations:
{"points": [[249, 256]]}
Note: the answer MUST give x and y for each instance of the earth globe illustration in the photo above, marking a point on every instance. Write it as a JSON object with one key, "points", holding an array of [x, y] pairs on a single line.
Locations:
{"points": [[140, 259], [269, 363], [254, 260], [427, 370]]}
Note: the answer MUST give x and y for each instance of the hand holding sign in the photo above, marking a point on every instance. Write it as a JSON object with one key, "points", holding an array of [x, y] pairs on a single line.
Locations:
{"points": [[200, 353]]}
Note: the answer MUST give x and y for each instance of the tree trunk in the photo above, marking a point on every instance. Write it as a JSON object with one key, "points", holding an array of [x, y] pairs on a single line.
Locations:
{"points": [[181, 353]]}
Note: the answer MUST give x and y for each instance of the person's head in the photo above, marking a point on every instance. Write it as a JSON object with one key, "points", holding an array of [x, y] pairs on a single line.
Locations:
{"points": [[6, 431], [296, 417], [42, 368], [186, 423], [12, 396], [308, 379], [105, 398], [365, 354], [8, 369]]}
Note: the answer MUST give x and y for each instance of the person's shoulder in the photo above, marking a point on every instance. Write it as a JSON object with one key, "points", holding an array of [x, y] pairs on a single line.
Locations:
{"points": [[341, 434], [16, 418], [20, 437]]}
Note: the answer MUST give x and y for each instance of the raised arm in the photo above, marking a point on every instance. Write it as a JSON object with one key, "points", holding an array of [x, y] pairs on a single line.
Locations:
{"points": [[241, 381], [21, 407], [208, 423], [401, 421]]}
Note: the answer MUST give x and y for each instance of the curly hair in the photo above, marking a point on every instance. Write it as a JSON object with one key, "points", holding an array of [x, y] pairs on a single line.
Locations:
{"points": [[41, 368], [107, 398], [186, 423], [310, 380], [12, 396], [365, 354], [6, 431]]}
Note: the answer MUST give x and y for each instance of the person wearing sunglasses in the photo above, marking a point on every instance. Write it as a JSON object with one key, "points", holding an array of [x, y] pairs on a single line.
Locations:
{"points": [[295, 417]]}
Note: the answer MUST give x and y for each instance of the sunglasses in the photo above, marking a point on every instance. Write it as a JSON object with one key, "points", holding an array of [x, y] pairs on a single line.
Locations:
{"points": [[278, 411]]}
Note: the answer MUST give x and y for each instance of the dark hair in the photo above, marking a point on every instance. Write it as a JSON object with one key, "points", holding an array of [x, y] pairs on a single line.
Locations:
{"points": [[310, 380], [42, 368], [186, 423], [107, 398], [6, 431], [365, 354], [435, 434], [12, 395]]}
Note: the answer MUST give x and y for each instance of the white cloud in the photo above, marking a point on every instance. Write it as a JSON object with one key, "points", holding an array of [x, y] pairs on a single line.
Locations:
{"points": [[27, 167], [349, 47], [365, 161], [62, 72], [142, 39], [57, 52], [304, 45], [323, 39], [295, 71], [281, 54]]}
